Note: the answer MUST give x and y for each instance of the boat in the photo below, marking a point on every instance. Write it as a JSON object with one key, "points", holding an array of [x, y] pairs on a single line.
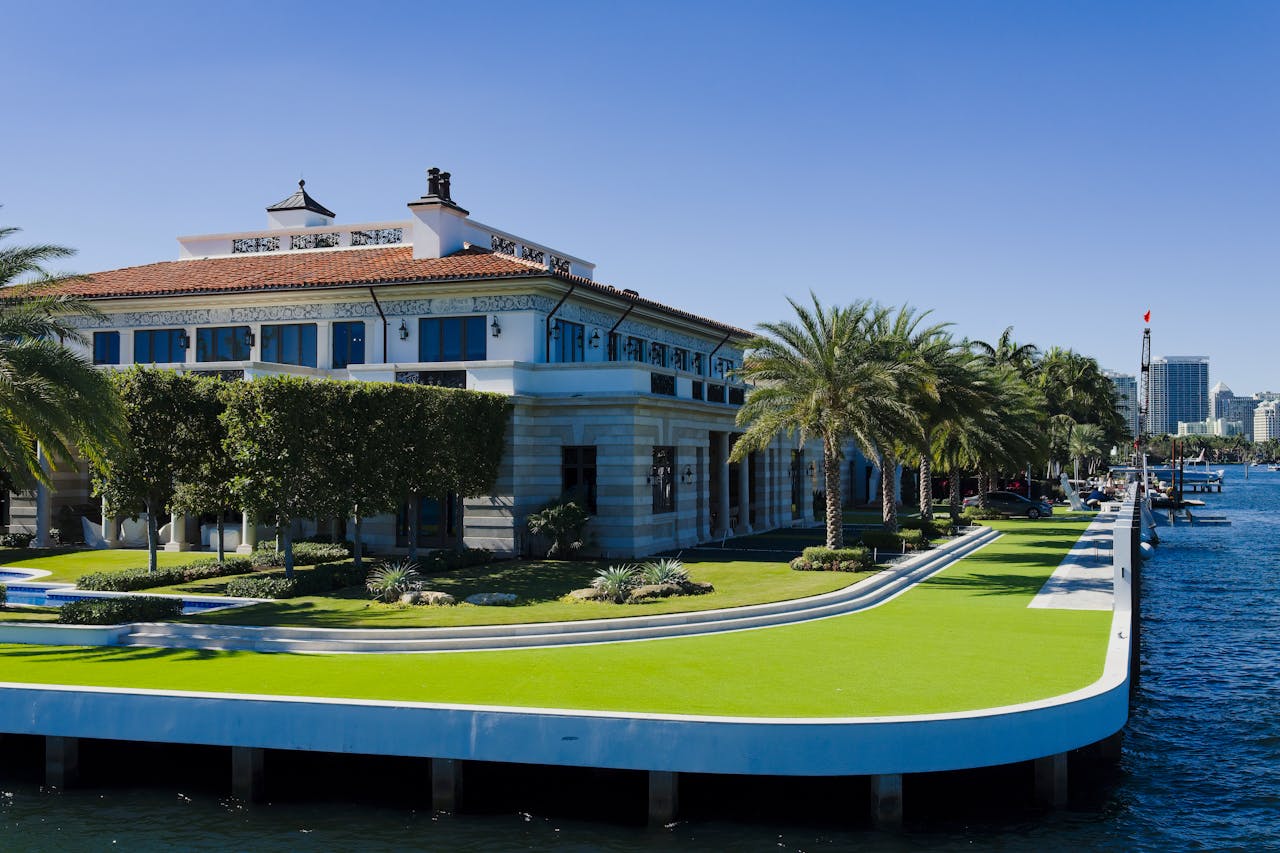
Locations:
{"points": [[1273, 467]]}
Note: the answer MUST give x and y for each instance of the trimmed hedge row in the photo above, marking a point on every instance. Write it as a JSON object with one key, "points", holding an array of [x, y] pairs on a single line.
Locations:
{"points": [[903, 540], [931, 528], [127, 580], [324, 578], [820, 559], [115, 611], [977, 513], [304, 554], [457, 558]]}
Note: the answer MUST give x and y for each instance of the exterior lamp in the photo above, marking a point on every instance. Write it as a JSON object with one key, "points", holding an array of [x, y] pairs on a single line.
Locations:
{"points": [[686, 476], [653, 473], [183, 340], [595, 339], [404, 331], [249, 339], [496, 328], [810, 469]]}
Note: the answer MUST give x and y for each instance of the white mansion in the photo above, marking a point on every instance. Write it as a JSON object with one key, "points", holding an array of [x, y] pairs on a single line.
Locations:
{"points": [[616, 398]]}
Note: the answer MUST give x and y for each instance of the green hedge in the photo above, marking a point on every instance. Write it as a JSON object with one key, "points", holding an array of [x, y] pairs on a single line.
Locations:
{"points": [[977, 513], [885, 540], [16, 540], [127, 580], [322, 579], [458, 558], [3, 594], [116, 611], [304, 554], [931, 528], [820, 559]]}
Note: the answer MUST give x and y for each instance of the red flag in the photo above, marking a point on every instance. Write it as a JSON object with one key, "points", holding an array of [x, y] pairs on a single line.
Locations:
{"points": [[1146, 318]]}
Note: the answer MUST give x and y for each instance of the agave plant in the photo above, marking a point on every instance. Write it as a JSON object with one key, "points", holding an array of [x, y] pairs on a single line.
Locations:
{"points": [[667, 570], [391, 580], [615, 582]]}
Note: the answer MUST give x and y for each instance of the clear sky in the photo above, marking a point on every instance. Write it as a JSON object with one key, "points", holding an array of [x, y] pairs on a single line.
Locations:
{"points": [[1060, 168]]}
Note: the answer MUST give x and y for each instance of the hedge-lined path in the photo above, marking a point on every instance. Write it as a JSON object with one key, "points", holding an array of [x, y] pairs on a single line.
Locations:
{"points": [[866, 594]]}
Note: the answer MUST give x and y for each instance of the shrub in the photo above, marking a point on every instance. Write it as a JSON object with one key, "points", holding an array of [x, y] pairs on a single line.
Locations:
{"points": [[127, 580], [931, 528], [887, 540], [977, 513], [322, 579], [821, 559], [304, 554], [664, 571], [615, 582], [563, 524], [16, 540], [389, 581], [3, 594], [115, 611], [457, 558]]}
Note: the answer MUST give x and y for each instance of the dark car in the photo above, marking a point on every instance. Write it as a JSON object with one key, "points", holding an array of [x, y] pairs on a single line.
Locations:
{"points": [[1010, 504]]}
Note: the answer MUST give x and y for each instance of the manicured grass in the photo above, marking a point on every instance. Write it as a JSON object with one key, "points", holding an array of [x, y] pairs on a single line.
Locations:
{"points": [[29, 614], [540, 583], [963, 640], [68, 566]]}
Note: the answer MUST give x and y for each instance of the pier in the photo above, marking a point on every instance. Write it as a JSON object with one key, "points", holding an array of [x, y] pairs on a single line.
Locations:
{"points": [[769, 701]]}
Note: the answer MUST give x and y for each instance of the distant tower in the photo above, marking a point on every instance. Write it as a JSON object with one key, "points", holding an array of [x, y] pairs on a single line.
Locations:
{"points": [[1178, 391], [1126, 388]]}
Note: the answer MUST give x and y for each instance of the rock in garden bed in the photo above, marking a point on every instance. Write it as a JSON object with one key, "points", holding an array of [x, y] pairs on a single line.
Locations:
{"points": [[434, 598], [492, 599]]}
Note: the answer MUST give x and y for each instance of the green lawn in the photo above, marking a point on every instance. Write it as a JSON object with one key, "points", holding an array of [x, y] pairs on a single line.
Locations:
{"points": [[963, 640], [540, 584], [68, 566]]}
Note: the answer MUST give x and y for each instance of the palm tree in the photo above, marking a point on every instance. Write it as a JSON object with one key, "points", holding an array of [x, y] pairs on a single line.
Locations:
{"points": [[823, 375], [53, 402], [1088, 441], [1007, 351]]}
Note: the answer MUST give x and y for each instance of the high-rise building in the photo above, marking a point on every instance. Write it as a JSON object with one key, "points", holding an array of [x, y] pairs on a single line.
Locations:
{"points": [[1266, 420], [1227, 406], [1179, 391], [1126, 387]]}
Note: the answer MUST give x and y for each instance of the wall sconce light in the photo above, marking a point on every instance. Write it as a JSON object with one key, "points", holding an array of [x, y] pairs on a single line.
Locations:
{"points": [[249, 339], [495, 328], [183, 340], [648, 478], [404, 331], [811, 469], [555, 329], [595, 339], [686, 476]]}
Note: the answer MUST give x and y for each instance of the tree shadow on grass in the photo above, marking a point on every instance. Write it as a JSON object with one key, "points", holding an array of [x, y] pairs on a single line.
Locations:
{"points": [[990, 584]]}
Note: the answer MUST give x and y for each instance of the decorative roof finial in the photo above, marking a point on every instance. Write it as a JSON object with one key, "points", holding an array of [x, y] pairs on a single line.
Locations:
{"points": [[301, 183]]}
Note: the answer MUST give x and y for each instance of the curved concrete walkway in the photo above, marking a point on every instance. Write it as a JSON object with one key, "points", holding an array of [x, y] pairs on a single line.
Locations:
{"points": [[860, 596]]}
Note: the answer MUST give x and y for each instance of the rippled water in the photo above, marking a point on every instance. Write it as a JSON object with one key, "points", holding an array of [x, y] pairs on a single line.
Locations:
{"points": [[1201, 763]]}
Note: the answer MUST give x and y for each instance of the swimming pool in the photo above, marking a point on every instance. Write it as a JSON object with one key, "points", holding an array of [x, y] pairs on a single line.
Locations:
{"points": [[21, 590]]}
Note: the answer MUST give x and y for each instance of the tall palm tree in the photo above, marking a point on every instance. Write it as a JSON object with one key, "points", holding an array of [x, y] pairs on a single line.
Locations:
{"points": [[53, 402], [1088, 442], [822, 374]]}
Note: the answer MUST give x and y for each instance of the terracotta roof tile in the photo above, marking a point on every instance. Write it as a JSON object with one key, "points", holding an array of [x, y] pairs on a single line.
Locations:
{"points": [[303, 270]]}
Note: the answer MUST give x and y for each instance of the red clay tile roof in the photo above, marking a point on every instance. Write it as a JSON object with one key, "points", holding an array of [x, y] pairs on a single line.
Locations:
{"points": [[304, 270]]}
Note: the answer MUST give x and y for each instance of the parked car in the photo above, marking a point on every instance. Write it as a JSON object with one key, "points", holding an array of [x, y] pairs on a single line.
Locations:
{"points": [[1008, 503]]}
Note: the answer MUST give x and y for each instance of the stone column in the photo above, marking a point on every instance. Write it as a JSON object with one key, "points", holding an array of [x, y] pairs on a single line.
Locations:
{"points": [[744, 496], [44, 506], [446, 784], [248, 533], [886, 801], [703, 487], [1051, 780], [664, 797], [177, 533], [248, 779], [722, 480], [61, 761], [108, 525]]}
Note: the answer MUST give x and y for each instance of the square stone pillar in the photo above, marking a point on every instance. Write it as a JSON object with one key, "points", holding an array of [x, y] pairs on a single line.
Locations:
{"points": [[664, 797], [61, 761], [722, 480], [248, 777], [886, 801]]}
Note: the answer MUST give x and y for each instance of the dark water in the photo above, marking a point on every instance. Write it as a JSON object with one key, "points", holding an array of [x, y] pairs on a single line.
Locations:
{"points": [[1200, 767]]}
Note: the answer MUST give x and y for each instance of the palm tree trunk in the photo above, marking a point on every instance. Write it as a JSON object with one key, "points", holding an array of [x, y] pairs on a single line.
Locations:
{"points": [[415, 507], [222, 551], [954, 478], [835, 503], [889, 491], [984, 486], [926, 488]]}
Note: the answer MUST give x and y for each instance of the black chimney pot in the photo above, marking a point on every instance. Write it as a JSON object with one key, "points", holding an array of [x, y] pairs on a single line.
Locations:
{"points": [[433, 181], [444, 186]]}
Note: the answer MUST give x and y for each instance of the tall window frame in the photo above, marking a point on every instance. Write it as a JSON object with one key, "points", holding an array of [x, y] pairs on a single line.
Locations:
{"points": [[106, 347], [159, 346], [662, 477], [348, 340], [578, 475], [223, 343], [452, 338], [290, 343], [568, 342]]}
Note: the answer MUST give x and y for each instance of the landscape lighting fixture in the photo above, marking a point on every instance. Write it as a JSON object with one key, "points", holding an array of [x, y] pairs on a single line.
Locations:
{"points": [[404, 331]]}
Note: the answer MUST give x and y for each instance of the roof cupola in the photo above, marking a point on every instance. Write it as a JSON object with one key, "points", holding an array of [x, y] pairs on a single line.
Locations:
{"points": [[299, 210]]}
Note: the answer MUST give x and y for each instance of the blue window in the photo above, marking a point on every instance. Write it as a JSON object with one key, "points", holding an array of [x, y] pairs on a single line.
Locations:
{"points": [[635, 349], [451, 339], [290, 343], [106, 347], [159, 346], [567, 341], [348, 343], [224, 343]]}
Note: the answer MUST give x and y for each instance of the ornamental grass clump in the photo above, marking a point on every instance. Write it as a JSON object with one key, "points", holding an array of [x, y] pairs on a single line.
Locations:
{"points": [[616, 582], [391, 580], [664, 571]]}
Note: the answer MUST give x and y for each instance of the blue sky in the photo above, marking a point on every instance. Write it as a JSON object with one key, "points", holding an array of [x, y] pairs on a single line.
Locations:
{"points": [[1060, 168]]}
